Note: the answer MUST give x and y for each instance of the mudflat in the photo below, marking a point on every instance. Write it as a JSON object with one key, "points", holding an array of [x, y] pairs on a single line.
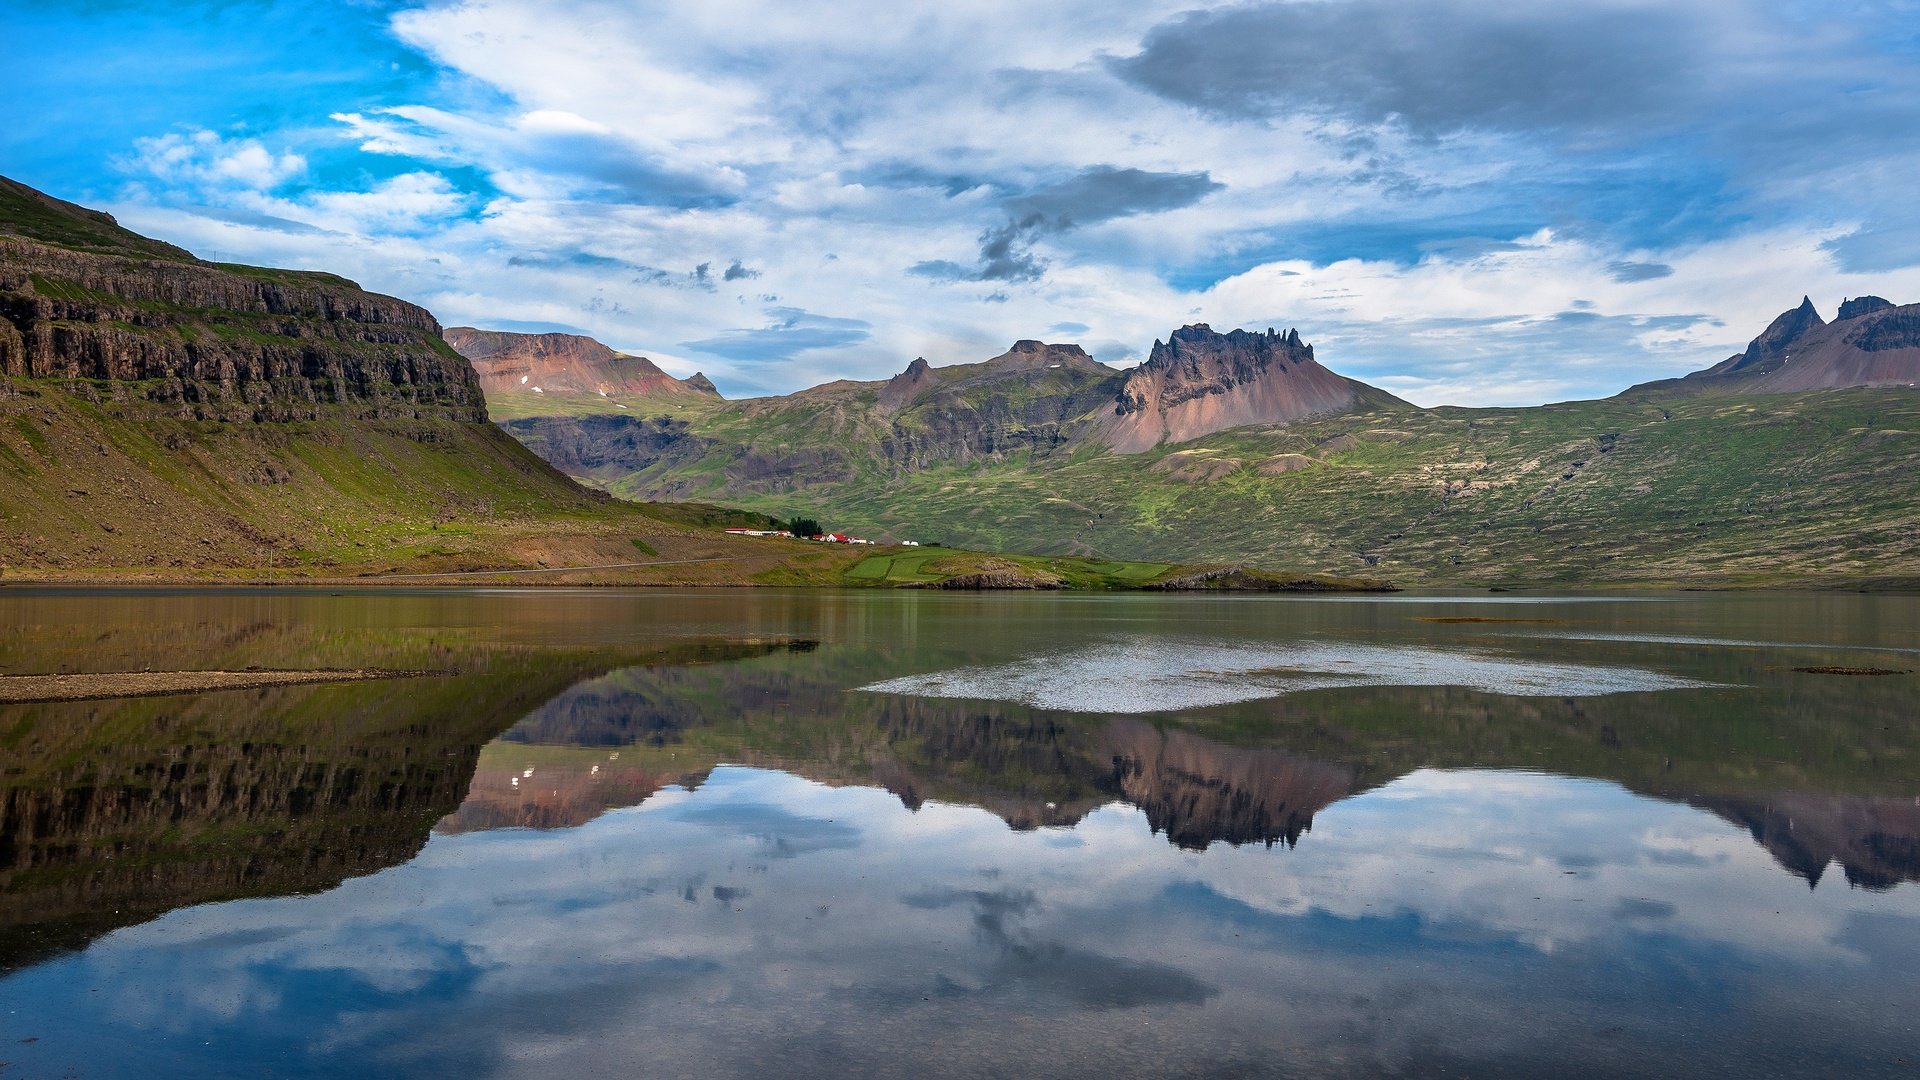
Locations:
{"points": [[21, 689]]}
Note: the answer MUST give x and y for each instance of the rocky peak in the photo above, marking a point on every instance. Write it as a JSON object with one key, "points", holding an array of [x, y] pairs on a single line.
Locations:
{"points": [[1029, 353], [1199, 381], [1861, 305], [699, 381], [1871, 342], [904, 387], [1774, 344]]}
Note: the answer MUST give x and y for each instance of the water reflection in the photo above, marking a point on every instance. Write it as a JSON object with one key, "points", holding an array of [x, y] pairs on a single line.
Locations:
{"points": [[676, 859], [765, 917]]}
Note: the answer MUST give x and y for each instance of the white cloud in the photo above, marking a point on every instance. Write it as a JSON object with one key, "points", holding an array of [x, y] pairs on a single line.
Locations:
{"points": [[625, 145], [204, 158]]}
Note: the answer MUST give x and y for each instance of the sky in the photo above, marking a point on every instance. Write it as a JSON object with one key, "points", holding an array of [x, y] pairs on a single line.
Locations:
{"points": [[1474, 202]]}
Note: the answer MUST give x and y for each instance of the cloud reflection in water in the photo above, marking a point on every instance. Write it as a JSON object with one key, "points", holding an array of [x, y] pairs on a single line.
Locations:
{"points": [[1486, 920], [1156, 675]]}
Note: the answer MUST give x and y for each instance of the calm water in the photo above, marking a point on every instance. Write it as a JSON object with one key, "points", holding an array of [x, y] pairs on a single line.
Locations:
{"points": [[733, 833]]}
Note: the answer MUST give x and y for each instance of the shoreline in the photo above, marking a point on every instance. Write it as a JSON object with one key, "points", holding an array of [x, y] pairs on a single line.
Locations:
{"points": [[543, 578], [97, 686]]}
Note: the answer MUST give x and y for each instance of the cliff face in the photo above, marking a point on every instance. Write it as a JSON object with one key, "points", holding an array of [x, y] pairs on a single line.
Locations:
{"points": [[1198, 382], [566, 365], [120, 317]]}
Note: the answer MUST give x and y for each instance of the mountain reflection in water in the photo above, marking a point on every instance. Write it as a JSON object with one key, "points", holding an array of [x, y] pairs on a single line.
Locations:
{"points": [[706, 858], [614, 741]]}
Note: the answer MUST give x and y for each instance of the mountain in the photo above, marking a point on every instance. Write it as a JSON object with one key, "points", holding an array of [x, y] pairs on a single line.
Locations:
{"points": [[1035, 402], [564, 365], [1198, 382], [87, 302], [1871, 342], [1241, 447], [166, 416]]}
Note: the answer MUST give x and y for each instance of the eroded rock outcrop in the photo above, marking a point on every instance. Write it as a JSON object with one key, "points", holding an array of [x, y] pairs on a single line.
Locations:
{"points": [[1198, 382]]}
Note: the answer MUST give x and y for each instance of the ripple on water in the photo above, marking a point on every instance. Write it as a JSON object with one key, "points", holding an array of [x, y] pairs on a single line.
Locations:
{"points": [[1143, 675]]}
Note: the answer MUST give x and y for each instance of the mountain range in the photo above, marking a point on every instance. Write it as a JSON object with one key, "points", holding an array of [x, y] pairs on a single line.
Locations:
{"points": [[1790, 461], [1870, 342], [165, 416]]}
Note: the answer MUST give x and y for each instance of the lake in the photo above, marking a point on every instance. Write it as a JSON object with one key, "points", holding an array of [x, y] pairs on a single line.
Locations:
{"points": [[751, 833]]}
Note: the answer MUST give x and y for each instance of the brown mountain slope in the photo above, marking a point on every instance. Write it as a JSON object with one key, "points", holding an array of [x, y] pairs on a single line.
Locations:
{"points": [[1871, 342], [1198, 382], [565, 365]]}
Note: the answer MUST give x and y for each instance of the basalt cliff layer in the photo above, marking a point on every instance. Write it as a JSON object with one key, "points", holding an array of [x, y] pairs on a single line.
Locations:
{"points": [[162, 416], [121, 318]]}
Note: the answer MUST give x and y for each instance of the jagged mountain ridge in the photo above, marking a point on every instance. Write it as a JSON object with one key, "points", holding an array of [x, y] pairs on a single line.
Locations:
{"points": [[1198, 382], [1871, 342], [1037, 401], [1667, 483]]}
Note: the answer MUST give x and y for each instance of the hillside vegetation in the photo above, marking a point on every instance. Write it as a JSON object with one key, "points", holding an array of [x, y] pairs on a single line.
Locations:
{"points": [[1811, 488]]}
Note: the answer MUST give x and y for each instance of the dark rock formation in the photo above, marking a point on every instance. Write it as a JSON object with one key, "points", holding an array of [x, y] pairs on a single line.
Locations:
{"points": [[1861, 305], [605, 446], [120, 317]]}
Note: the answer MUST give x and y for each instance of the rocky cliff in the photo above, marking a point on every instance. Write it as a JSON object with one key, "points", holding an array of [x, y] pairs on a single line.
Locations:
{"points": [[566, 365], [116, 316], [1198, 382]]}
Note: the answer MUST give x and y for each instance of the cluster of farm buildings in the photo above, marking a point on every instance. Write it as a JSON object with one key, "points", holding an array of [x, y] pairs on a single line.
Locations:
{"points": [[819, 538]]}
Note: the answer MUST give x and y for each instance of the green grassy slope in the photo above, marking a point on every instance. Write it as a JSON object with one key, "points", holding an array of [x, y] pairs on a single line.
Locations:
{"points": [[1815, 488]]}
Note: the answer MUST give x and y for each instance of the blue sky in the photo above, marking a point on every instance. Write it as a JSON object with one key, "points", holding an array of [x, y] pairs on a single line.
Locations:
{"points": [[1464, 201]]}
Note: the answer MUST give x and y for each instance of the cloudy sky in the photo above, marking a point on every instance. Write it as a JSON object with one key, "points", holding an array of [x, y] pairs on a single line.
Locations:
{"points": [[1464, 201]]}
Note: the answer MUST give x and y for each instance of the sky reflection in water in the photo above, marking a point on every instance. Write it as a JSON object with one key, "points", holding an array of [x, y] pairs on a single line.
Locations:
{"points": [[1302, 866], [1142, 675], [1485, 919]]}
